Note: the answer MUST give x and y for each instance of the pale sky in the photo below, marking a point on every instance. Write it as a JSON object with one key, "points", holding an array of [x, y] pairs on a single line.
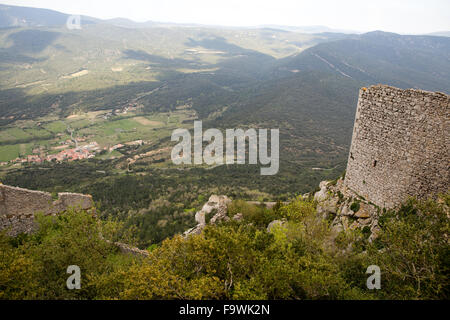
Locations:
{"points": [[401, 16]]}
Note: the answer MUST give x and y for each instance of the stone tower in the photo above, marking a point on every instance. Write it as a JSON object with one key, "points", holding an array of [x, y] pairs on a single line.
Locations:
{"points": [[400, 145]]}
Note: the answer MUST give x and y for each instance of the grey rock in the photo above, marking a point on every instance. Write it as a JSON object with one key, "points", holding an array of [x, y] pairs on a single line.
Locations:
{"points": [[219, 203], [346, 211], [275, 224], [238, 217]]}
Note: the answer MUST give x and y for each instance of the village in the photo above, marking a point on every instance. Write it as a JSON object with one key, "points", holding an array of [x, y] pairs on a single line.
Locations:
{"points": [[79, 153], [88, 151]]}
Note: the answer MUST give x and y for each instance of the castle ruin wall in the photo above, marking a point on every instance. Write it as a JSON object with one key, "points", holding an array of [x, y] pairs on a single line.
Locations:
{"points": [[18, 207], [400, 145]]}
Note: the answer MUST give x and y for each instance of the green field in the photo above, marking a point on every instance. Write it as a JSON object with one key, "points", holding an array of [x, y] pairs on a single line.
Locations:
{"points": [[10, 152], [13, 134], [19, 141], [56, 126]]}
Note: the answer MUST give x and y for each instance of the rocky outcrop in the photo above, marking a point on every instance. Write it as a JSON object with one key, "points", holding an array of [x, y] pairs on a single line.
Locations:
{"points": [[214, 211], [126, 249], [336, 203], [345, 209]]}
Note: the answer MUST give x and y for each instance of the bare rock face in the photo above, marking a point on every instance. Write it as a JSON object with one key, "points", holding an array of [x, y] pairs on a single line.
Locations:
{"points": [[347, 210], [217, 205], [194, 231], [200, 217], [328, 207], [322, 195], [364, 211], [327, 203]]}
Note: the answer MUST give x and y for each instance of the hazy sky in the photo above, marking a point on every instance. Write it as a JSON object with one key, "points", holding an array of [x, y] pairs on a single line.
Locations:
{"points": [[402, 16]]}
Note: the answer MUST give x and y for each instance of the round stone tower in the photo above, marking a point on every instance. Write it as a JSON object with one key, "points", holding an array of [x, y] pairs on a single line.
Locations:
{"points": [[400, 145]]}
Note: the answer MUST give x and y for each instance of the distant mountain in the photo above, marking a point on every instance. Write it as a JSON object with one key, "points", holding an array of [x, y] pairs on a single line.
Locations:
{"points": [[12, 16], [122, 22], [380, 57], [15, 16], [128, 23], [309, 29], [311, 96], [440, 34]]}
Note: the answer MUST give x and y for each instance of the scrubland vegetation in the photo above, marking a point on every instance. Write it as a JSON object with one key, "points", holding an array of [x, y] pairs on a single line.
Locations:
{"points": [[301, 259]]}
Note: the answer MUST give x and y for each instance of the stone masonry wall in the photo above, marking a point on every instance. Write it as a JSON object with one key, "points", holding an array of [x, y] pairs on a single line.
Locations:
{"points": [[18, 207], [400, 145]]}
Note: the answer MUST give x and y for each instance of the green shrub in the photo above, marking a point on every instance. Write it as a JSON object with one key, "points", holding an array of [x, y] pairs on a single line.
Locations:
{"points": [[414, 255], [303, 259], [355, 206], [259, 215]]}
